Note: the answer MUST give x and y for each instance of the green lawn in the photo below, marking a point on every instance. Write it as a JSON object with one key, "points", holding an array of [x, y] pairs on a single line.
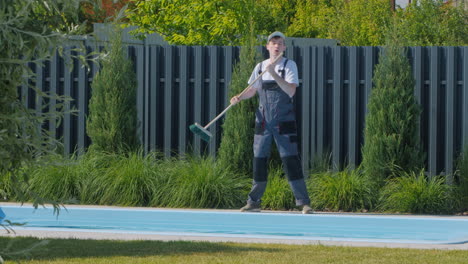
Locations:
{"points": [[116, 252]]}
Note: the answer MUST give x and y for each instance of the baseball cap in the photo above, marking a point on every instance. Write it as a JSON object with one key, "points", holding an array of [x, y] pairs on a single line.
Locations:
{"points": [[276, 34]]}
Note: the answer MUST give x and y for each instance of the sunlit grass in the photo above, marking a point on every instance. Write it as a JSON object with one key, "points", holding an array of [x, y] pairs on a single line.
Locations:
{"points": [[117, 252]]}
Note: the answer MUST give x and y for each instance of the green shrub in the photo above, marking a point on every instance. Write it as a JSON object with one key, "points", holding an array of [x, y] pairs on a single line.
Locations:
{"points": [[391, 136], [278, 194], [112, 121], [347, 190], [6, 186], [462, 180], [201, 183], [416, 193]]}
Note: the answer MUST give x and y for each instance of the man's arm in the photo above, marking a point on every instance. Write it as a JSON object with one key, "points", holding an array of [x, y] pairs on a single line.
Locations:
{"points": [[288, 88], [248, 94]]}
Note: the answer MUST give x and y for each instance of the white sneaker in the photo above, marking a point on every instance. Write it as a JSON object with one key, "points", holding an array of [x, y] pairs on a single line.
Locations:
{"points": [[250, 208], [306, 209]]}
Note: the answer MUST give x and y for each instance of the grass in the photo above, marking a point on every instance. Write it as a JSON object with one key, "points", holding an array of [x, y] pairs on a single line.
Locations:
{"points": [[347, 190], [116, 252], [201, 183], [135, 179], [278, 194], [417, 193]]}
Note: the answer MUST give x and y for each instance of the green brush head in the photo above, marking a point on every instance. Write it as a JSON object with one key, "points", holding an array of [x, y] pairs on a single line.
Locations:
{"points": [[200, 131]]}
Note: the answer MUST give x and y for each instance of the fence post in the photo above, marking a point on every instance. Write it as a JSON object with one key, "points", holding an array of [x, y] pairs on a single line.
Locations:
{"points": [[465, 98], [450, 114], [198, 93], [433, 112], [183, 96], [168, 86], [337, 106], [213, 98], [67, 91], [353, 107], [307, 106]]}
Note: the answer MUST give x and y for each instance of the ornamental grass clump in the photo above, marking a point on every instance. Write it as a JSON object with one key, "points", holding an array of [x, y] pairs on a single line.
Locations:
{"points": [[417, 193], [58, 179], [278, 194], [347, 190], [202, 183], [93, 165], [129, 181]]}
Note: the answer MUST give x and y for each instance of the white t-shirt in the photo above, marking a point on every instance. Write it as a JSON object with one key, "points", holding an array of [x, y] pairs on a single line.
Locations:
{"points": [[291, 75]]}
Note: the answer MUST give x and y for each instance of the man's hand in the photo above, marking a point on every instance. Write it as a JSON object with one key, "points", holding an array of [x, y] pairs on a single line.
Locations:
{"points": [[235, 99], [271, 68]]}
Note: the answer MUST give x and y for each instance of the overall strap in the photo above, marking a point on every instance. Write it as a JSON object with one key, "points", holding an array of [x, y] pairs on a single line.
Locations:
{"points": [[282, 71]]}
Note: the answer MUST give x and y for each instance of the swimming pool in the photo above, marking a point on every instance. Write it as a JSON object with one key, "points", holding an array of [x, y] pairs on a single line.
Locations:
{"points": [[318, 227]]}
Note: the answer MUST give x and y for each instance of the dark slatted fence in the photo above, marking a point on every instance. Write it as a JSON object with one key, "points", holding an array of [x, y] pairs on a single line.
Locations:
{"points": [[180, 85]]}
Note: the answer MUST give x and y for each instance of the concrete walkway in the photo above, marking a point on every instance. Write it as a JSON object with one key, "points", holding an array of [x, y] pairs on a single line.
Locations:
{"points": [[88, 234]]}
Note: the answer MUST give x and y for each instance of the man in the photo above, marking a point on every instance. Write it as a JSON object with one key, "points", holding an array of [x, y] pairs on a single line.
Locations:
{"points": [[275, 119]]}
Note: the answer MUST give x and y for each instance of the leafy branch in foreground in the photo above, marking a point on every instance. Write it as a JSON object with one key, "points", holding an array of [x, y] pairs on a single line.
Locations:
{"points": [[28, 37]]}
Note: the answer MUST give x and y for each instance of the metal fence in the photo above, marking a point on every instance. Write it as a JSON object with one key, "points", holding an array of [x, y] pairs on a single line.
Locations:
{"points": [[180, 85]]}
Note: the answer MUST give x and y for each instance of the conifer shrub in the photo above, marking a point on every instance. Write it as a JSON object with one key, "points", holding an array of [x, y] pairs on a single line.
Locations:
{"points": [[112, 121], [235, 151], [391, 138]]}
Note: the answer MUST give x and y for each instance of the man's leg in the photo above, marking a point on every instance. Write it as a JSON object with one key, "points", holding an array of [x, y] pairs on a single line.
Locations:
{"points": [[262, 147], [287, 147]]}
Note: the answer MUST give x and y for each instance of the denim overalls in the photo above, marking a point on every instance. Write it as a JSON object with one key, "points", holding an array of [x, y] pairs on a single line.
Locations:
{"points": [[275, 118]]}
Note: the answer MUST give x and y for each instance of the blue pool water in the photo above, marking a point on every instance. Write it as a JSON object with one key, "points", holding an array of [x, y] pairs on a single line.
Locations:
{"points": [[324, 227]]}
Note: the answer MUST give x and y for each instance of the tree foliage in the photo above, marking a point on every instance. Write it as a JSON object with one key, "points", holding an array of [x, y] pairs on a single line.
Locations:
{"points": [[112, 121], [357, 22], [353, 23], [310, 17], [30, 31], [210, 22], [391, 137], [100, 11], [433, 23], [26, 36]]}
